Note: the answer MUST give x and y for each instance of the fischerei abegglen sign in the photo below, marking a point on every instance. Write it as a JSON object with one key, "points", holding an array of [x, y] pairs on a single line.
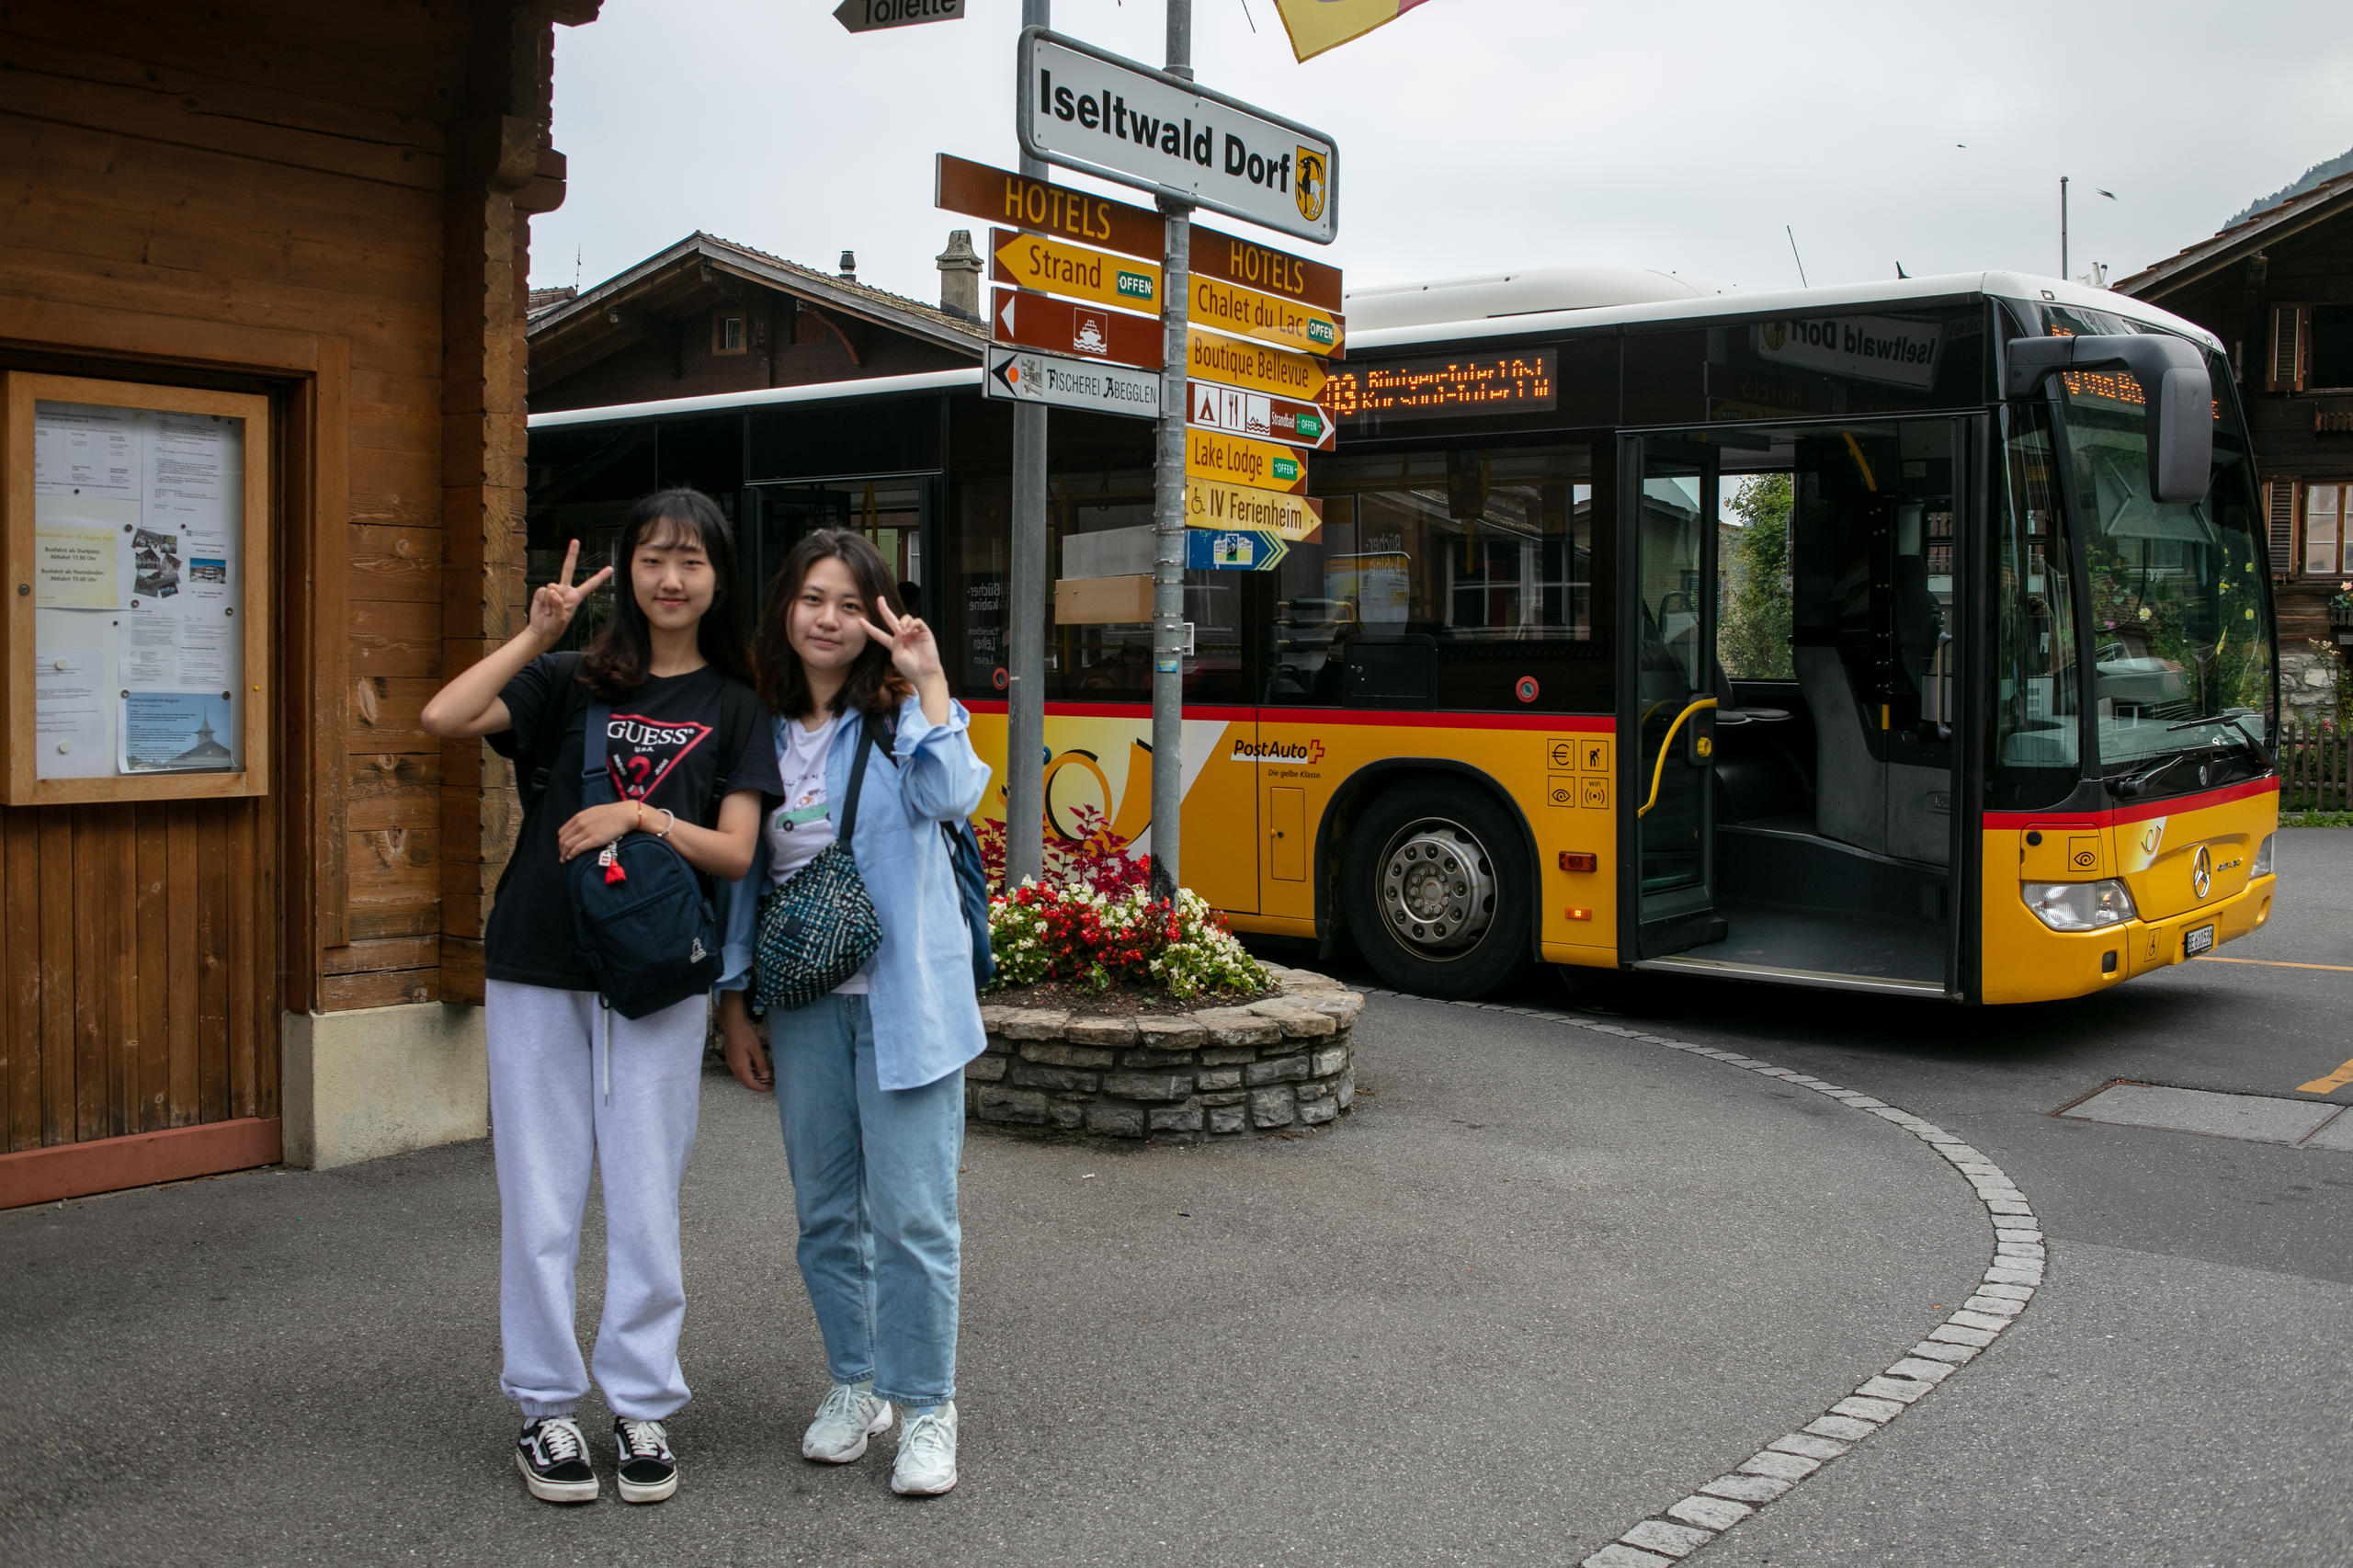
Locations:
{"points": [[1086, 109]]}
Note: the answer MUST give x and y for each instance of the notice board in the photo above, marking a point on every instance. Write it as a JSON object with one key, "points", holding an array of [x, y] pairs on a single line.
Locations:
{"points": [[137, 589]]}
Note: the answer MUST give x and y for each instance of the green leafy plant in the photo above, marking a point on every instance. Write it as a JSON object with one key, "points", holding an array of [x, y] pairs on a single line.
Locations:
{"points": [[1755, 642]]}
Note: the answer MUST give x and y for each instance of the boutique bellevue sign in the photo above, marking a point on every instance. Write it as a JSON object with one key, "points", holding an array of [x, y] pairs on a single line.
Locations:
{"points": [[1086, 108]]}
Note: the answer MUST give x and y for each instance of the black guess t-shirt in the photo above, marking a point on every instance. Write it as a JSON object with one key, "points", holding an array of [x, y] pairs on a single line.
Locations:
{"points": [[678, 743]]}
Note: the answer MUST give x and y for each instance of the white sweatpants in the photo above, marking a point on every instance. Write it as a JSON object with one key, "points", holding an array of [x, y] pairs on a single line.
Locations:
{"points": [[562, 1093]]}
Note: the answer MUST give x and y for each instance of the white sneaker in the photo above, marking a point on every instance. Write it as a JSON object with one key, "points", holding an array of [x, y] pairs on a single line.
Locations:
{"points": [[927, 1465], [847, 1418]]}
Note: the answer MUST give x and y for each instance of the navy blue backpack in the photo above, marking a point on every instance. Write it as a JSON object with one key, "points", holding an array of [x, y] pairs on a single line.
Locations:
{"points": [[972, 877], [640, 916]]}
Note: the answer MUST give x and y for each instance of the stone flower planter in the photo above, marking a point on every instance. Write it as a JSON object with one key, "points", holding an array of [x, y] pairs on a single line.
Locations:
{"points": [[1281, 1062]]}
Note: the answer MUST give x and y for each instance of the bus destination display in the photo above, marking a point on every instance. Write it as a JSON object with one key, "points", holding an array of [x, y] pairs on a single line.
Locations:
{"points": [[1454, 385]]}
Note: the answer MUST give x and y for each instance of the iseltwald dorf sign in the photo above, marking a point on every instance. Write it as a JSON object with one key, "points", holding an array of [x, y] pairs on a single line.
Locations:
{"points": [[1087, 109]]}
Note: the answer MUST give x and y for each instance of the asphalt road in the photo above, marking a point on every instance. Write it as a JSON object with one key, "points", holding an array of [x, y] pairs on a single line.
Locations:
{"points": [[1544, 1282], [2183, 1390], [1495, 1316]]}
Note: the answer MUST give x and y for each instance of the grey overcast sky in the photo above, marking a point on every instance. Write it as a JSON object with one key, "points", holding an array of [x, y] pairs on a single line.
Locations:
{"points": [[1482, 135]]}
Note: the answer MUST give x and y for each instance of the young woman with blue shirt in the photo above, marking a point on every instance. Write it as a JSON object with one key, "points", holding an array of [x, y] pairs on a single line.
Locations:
{"points": [[870, 1078]]}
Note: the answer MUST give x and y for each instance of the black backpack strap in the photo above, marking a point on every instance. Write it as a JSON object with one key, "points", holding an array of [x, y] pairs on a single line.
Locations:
{"points": [[595, 780], [848, 828], [533, 783]]}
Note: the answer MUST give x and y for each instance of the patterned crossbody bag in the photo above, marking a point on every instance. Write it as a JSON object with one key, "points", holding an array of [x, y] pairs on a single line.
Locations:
{"points": [[820, 927]]}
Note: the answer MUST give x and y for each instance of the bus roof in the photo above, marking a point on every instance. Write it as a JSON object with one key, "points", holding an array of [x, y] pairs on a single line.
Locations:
{"points": [[1793, 301], [1706, 307]]}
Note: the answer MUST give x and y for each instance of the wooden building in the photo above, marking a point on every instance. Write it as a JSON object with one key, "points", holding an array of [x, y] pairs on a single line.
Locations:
{"points": [[2277, 288], [709, 316], [316, 218]]}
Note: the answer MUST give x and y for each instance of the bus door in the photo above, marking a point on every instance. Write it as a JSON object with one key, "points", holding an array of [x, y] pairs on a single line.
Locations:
{"points": [[1795, 670], [1668, 696]]}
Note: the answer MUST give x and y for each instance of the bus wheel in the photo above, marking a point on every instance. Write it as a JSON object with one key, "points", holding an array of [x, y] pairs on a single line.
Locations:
{"points": [[1437, 891]]}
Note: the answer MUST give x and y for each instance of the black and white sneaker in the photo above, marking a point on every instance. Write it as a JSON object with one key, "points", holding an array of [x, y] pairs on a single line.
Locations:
{"points": [[553, 1458], [648, 1471]]}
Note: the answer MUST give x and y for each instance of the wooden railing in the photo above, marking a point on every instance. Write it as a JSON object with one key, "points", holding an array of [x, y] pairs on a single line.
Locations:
{"points": [[2316, 766]]}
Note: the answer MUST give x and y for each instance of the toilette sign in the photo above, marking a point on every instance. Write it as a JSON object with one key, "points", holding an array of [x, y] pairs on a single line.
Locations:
{"points": [[1086, 108]]}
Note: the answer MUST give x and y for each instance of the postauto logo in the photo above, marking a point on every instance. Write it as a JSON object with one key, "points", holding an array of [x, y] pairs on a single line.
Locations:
{"points": [[1311, 752]]}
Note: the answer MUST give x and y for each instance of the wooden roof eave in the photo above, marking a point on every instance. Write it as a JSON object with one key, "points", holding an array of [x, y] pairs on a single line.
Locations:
{"points": [[2201, 262]]}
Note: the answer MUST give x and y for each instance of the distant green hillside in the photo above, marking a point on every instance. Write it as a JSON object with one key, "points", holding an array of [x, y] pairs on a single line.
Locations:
{"points": [[2342, 164]]}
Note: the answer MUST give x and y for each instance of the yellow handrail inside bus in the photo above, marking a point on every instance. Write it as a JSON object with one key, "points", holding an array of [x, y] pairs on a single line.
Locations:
{"points": [[1658, 768]]}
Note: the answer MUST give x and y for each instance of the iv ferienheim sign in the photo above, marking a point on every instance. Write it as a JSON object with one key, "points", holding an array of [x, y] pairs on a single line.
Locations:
{"points": [[1086, 108]]}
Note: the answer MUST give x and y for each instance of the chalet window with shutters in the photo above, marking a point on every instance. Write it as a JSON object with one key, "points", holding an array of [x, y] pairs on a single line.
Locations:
{"points": [[2312, 349], [2327, 510], [2330, 359]]}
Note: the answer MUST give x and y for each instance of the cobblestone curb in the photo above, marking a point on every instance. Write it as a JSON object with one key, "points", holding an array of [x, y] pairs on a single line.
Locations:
{"points": [[1265, 1066], [2010, 1282]]}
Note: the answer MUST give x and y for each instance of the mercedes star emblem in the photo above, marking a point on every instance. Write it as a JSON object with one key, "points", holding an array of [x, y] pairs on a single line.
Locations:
{"points": [[2201, 872]]}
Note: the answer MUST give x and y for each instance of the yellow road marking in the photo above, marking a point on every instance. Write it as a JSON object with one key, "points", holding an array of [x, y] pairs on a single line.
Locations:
{"points": [[2329, 1085], [2277, 964]]}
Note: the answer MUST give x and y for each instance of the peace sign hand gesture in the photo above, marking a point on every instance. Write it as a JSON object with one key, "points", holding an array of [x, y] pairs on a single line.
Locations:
{"points": [[915, 654], [553, 606]]}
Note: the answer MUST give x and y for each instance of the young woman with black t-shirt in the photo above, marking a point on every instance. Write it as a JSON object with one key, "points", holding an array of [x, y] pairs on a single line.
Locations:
{"points": [[572, 1082]]}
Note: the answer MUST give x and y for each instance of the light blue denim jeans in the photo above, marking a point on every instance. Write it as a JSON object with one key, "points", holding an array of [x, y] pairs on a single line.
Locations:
{"points": [[874, 1184]]}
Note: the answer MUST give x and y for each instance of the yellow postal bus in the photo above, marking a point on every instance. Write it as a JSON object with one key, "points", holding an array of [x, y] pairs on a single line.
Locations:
{"points": [[1911, 638]]}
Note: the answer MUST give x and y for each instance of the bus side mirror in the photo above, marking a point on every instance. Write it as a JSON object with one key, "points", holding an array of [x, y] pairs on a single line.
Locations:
{"points": [[2172, 376]]}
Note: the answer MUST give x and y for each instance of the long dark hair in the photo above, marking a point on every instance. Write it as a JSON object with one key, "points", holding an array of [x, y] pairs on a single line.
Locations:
{"points": [[618, 662], [873, 685]]}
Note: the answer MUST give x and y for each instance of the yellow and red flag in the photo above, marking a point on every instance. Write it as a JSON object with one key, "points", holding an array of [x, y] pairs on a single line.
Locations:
{"points": [[1317, 25]]}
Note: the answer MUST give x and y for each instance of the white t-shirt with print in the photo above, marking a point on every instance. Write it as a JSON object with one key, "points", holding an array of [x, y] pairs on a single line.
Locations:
{"points": [[803, 823]]}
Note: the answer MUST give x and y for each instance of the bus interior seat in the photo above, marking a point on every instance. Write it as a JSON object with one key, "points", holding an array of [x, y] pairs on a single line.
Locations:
{"points": [[1888, 808]]}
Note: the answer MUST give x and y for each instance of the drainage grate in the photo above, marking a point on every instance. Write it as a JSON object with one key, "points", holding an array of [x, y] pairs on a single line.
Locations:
{"points": [[2258, 1118]]}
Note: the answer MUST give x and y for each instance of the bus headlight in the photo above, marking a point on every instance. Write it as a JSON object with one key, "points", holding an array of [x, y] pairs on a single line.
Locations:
{"points": [[2263, 857], [2079, 906]]}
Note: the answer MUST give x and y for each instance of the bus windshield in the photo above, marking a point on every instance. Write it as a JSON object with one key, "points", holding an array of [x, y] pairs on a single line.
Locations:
{"points": [[2180, 631]]}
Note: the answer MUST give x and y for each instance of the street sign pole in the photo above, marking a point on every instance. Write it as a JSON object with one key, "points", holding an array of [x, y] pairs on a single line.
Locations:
{"points": [[1170, 548], [1024, 686]]}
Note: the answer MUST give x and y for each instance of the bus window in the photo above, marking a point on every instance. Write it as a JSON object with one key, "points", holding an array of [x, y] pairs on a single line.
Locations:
{"points": [[1459, 579], [2035, 758]]}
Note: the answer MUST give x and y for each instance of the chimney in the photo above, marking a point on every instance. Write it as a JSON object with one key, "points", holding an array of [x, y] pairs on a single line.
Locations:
{"points": [[849, 266], [960, 276]]}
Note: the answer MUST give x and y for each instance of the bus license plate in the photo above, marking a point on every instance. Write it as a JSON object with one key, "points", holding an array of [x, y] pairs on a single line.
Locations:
{"points": [[2201, 940]]}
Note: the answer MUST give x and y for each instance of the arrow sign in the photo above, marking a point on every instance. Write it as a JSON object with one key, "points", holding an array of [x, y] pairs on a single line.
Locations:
{"points": [[1209, 358], [1017, 375], [867, 15], [1050, 266], [1263, 268], [1209, 406], [1211, 504], [1238, 460], [1002, 196], [1089, 332], [1234, 549], [1246, 312]]}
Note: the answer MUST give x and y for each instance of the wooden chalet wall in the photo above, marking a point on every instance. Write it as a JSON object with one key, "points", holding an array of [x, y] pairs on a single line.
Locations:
{"points": [[2237, 301], [326, 204]]}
